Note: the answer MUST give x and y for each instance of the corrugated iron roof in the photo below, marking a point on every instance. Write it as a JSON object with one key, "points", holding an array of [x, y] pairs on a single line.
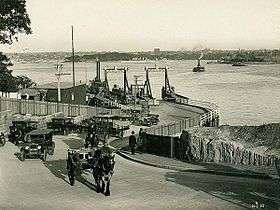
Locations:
{"points": [[29, 91], [53, 85]]}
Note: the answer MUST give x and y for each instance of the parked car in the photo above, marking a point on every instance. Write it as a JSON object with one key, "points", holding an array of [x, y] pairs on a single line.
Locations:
{"points": [[61, 125], [38, 144], [151, 119], [19, 129]]}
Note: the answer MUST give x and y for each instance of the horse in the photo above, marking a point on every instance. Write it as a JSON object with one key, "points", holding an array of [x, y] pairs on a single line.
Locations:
{"points": [[96, 169], [102, 170], [71, 169], [107, 171]]}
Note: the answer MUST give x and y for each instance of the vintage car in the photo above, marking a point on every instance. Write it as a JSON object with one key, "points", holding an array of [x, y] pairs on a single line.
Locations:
{"points": [[149, 120], [19, 129], [38, 144], [110, 125], [61, 125]]}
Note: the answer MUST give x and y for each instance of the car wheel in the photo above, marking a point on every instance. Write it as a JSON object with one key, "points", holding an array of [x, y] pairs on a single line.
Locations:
{"points": [[72, 181], [51, 150], [44, 158], [22, 155], [2, 142]]}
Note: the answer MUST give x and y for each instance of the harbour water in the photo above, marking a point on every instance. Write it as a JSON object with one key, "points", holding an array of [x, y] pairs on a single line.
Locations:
{"points": [[248, 95]]}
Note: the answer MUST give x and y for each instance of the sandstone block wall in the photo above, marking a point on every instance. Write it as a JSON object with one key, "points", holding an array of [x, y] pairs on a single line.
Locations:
{"points": [[217, 145], [5, 121]]}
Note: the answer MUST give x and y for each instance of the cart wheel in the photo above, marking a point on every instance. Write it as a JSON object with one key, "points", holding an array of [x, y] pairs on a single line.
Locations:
{"points": [[51, 150], [72, 180], [16, 142], [22, 155], [2, 142], [44, 158]]}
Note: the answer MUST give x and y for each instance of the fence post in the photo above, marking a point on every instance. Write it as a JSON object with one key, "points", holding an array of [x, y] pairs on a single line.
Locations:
{"points": [[172, 147], [20, 104], [57, 107], [47, 107], [68, 110], [34, 107]]}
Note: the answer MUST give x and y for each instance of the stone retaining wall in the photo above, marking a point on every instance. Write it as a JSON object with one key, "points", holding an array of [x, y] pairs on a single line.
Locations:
{"points": [[5, 120], [216, 145]]}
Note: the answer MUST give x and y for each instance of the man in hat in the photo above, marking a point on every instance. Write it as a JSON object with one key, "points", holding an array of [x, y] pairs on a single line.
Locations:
{"points": [[132, 142]]}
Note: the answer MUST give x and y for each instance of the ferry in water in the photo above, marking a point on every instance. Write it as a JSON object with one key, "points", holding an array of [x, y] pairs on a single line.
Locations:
{"points": [[199, 68]]}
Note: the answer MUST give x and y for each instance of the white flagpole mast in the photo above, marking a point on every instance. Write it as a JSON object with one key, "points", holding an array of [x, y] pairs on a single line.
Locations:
{"points": [[58, 75]]}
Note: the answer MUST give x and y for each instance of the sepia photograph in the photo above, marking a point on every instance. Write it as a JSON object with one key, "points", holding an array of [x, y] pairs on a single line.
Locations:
{"points": [[139, 104]]}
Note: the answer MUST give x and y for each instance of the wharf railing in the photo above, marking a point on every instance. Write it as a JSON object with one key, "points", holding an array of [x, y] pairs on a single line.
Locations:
{"points": [[210, 117], [173, 128], [212, 111]]}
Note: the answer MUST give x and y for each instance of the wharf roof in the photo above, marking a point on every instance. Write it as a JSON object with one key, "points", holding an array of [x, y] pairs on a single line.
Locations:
{"points": [[29, 91], [53, 85]]}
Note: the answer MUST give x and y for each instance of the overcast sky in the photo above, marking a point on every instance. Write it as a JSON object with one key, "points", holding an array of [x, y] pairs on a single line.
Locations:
{"points": [[136, 25]]}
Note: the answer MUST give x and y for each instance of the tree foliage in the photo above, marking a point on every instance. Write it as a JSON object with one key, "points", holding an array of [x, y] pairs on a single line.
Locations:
{"points": [[13, 21], [23, 81], [7, 81]]}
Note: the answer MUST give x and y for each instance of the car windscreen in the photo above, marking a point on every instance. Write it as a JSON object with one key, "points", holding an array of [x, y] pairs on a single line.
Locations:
{"points": [[37, 138], [58, 120]]}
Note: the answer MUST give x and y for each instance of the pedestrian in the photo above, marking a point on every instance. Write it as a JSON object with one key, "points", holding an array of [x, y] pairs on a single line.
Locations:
{"points": [[132, 142], [142, 139]]}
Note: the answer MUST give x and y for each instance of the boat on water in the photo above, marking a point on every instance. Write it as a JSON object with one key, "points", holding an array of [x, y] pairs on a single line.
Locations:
{"points": [[238, 64], [199, 68]]}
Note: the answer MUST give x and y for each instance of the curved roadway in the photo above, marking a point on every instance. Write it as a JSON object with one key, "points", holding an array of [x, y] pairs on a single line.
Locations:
{"points": [[35, 185], [170, 112]]}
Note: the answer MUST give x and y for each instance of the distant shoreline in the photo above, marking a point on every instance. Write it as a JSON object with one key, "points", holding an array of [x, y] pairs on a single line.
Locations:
{"points": [[208, 62]]}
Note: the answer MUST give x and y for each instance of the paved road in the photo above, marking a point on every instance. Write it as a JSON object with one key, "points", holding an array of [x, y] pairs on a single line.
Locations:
{"points": [[170, 112], [34, 185]]}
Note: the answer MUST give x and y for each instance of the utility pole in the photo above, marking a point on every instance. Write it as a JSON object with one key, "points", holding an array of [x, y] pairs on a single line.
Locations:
{"points": [[73, 56], [58, 75], [136, 79]]}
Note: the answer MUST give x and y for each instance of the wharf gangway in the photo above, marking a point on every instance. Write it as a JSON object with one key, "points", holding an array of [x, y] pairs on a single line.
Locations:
{"points": [[114, 104]]}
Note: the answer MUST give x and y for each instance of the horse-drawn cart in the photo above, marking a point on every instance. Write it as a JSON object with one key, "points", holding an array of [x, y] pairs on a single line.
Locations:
{"points": [[99, 161]]}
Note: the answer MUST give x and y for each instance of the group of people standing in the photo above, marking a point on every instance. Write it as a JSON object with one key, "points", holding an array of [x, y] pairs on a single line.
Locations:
{"points": [[133, 141]]}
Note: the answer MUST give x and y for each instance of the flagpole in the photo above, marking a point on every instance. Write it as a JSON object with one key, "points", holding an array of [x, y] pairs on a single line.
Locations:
{"points": [[73, 57]]}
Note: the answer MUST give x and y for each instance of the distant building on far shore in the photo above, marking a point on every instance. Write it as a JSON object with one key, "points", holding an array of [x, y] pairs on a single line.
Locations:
{"points": [[157, 51]]}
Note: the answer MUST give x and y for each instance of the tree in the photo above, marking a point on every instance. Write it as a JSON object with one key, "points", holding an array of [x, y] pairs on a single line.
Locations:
{"points": [[7, 81], [13, 21], [24, 82]]}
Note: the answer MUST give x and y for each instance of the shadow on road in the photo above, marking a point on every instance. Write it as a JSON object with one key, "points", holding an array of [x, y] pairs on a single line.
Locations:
{"points": [[74, 143], [58, 168], [243, 192], [225, 168]]}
